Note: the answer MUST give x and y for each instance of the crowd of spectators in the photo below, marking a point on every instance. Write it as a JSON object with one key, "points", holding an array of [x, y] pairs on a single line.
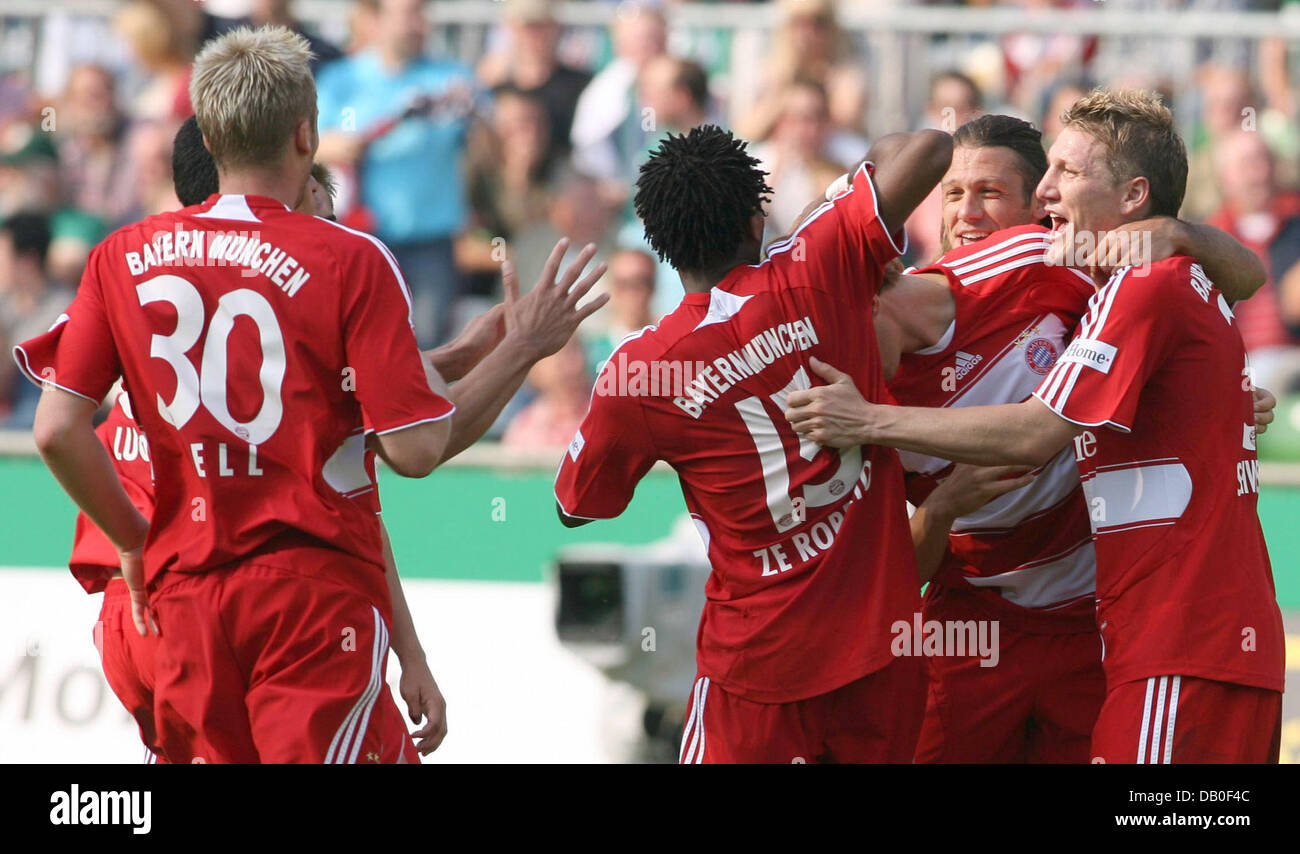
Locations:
{"points": [[459, 164]]}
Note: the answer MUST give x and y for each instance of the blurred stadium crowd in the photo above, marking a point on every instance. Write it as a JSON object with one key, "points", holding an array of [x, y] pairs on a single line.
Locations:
{"points": [[459, 151]]}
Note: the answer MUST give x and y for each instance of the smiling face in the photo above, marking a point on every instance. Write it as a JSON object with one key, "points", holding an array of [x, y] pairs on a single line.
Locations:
{"points": [[984, 191], [1081, 193]]}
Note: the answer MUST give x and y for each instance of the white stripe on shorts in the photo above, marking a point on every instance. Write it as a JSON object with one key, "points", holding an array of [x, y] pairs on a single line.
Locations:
{"points": [[342, 748]]}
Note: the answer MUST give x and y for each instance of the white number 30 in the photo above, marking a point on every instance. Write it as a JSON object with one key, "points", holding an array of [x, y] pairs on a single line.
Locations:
{"points": [[210, 388]]}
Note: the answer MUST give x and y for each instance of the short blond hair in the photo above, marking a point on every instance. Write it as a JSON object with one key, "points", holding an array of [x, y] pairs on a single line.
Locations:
{"points": [[1137, 131], [250, 88]]}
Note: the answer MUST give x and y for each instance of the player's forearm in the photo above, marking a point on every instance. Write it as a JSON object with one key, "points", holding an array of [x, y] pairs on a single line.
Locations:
{"points": [[451, 360], [983, 435], [485, 391], [1234, 269], [930, 526], [67, 442], [908, 166], [405, 643]]}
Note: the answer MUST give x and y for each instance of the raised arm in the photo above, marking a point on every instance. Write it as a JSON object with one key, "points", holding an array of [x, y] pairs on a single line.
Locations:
{"points": [[907, 168], [1235, 270], [537, 325]]}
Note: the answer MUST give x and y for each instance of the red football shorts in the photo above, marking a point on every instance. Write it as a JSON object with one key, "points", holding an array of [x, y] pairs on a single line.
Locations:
{"points": [[875, 719], [1037, 704], [1183, 719], [259, 664], [128, 660]]}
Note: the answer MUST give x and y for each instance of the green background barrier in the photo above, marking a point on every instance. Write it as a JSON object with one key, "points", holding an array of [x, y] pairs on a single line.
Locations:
{"points": [[478, 523]]}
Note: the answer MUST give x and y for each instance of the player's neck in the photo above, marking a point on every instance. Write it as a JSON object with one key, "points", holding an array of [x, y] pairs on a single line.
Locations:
{"points": [[701, 282], [280, 186]]}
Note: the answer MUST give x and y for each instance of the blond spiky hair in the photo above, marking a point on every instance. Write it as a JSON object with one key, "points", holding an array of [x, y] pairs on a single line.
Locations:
{"points": [[250, 88], [1137, 131]]}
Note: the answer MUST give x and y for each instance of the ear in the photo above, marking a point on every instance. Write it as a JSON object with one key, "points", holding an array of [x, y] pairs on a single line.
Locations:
{"points": [[304, 137], [1137, 195], [756, 225]]}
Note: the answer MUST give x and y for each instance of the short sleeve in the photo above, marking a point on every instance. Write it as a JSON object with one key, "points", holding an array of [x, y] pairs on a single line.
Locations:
{"points": [[843, 246], [1122, 341], [379, 340], [607, 458], [78, 353]]}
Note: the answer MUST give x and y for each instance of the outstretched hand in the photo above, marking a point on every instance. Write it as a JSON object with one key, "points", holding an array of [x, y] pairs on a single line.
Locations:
{"points": [[546, 317]]}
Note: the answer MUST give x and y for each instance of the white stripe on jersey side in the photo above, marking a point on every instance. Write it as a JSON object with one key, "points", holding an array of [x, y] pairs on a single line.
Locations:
{"points": [[704, 733], [1028, 254], [388, 256], [789, 242], [1157, 720], [997, 271], [1146, 722], [1113, 286], [1057, 396], [1061, 370], [967, 395], [1019, 238], [1173, 716], [342, 741], [1048, 584], [381, 648], [1084, 276], [342, 737], [1036, 249], [1054, 483], [785, 245], [689, 735]]}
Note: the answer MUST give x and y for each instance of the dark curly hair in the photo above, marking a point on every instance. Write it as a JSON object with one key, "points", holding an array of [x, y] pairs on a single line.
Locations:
{"points": [[696, 195]]}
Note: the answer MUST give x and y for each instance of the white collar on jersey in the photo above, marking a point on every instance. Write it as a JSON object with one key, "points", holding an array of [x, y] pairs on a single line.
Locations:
{"points": [[722, 307]]}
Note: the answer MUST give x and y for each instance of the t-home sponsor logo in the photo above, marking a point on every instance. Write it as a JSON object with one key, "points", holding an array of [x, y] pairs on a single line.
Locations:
{"points": [[959, 638], [1095, 354], [129, 809]]}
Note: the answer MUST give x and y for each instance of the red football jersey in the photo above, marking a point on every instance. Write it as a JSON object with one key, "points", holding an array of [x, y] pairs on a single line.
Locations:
{"points": [[252, 340], [1184, 584], [94, 559], [811, 553], [1031, 548]]}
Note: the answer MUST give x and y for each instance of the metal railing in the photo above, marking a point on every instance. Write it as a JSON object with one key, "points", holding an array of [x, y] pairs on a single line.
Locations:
{"points": [[900, 45]]}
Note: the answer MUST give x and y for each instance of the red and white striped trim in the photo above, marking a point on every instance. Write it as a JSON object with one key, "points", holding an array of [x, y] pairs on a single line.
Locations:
{"points": [[1156, 741], [975, 260], [347, 740], [1055, 389], [692, 750]]}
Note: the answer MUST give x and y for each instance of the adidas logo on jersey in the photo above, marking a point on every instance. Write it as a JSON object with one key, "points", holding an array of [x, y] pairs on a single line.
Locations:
{"points": [[966, 363]]}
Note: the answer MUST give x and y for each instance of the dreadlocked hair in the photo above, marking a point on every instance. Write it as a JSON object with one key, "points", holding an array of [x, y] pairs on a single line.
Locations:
{"points": [[696, 195]]}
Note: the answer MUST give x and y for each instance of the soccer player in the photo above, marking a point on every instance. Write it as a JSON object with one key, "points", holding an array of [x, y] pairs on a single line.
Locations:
{"points": [[128, 657], [264, 349], [812, 563], [983, 325], [1191, 632]]}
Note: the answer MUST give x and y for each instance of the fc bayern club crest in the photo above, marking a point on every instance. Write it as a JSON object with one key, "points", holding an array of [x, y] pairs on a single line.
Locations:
{"points": [[1040, 354]]}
